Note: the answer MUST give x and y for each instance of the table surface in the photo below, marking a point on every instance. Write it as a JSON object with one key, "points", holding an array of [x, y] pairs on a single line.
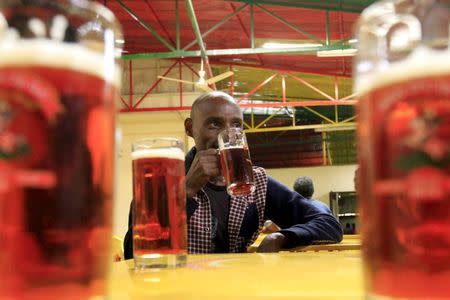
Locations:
{"points": [[349, 242], [284, 275]]}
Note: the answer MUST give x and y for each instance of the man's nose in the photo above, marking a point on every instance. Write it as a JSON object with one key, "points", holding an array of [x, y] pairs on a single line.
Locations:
{"points": [[230, 125]]}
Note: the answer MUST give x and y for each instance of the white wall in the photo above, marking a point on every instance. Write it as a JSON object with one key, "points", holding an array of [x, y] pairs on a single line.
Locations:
{"points": [[326, 179]]}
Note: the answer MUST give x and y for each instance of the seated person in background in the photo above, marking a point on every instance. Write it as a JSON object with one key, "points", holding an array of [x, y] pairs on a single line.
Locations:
{"points": [[304, 186], [218, 223]]}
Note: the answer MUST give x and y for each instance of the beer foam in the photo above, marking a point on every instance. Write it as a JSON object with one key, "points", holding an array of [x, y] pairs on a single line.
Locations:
{"points": [[173, 152], [422, 62], [45, 52], [226, 147]]}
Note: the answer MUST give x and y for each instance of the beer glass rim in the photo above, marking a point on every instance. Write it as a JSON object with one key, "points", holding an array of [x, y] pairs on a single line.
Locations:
{"points": [[231, 129], [147, 143]]}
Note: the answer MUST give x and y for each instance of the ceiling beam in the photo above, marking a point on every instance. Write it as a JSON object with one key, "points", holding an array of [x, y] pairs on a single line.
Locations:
{"points": [[283, 70], [198, 35], [300, 127], [177, 25], [300, 103], [249, 35], [146, 26], [342, 5], [239, 51], [290, 24], [217, 25]]}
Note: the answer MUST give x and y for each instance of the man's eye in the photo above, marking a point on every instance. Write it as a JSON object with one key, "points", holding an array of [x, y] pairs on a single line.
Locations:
{"points": [[214, 124]]}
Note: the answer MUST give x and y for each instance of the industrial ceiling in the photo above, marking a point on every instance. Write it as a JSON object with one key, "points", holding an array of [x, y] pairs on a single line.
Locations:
{"points": [[236, 35]]}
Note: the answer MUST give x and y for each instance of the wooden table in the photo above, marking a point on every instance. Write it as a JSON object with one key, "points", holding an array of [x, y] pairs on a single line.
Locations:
{"points": [[349, 242], [306, 275]]}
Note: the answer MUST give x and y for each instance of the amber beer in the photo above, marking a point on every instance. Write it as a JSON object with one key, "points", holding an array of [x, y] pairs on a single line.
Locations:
{"points": [[159, 215], [56, 168], [236, 164], [404, 153]]}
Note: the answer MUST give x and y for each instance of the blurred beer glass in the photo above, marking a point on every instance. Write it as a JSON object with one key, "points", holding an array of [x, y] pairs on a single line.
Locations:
{"points": [[235, 162], [159, 214], [58, 85], [402, 75]]}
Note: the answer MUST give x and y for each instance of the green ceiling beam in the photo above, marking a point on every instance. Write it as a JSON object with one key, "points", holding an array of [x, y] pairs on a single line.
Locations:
{"points": [[198, 36], [268, 118], [196, 28], [290, 25], [177, 24], [252, 28], [238, 51], [336, 114], [217, 25], [320, 115], [300, 127], [348, 119], [327, 28], [146, 25], [355, 6]]}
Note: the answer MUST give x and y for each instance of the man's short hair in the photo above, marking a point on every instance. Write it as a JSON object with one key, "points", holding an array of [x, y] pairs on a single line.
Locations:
{"points": [[208, 96], [304, 186]]}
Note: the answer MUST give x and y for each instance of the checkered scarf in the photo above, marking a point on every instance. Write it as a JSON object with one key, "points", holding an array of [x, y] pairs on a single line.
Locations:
{"points": [[200, 223]]}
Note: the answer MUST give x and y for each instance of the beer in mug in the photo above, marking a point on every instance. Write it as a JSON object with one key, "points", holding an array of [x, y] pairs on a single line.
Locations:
{"points": [[403, 78], [58, 85], [235, 161], [159, 215]]}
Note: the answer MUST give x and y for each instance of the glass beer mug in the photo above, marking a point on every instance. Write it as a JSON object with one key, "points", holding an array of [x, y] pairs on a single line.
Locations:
{"points": [[159, 208], [402, 73], [58, 85], [235, 162]]}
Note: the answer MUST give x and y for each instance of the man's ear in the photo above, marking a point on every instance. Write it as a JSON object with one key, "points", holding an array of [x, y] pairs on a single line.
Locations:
{"points": [[188, 127]]}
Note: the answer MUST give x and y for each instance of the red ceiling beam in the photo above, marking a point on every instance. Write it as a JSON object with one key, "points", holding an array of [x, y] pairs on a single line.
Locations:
{"points": [[266, 105], [154, 84]]}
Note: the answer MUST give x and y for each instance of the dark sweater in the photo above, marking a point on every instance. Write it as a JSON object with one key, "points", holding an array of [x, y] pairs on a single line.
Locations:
{"points": [[303, 221]]}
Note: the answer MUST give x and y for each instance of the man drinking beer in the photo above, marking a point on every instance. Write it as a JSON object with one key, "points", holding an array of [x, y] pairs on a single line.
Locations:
{"points": [[219, 223]]}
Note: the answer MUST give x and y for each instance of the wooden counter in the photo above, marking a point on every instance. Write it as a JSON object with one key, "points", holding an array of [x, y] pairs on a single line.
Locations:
{"points": [[349, 242], [285, 275]]}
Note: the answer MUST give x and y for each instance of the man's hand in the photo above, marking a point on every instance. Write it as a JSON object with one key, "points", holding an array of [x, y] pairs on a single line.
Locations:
{"points": [[272, 243], [204, 166], [270, 227]]}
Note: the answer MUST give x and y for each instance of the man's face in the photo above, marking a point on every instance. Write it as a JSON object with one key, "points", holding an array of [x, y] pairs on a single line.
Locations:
{"points": [[211, 118]]}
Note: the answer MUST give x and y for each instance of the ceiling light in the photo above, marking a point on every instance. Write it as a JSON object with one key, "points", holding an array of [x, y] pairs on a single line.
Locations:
{"points": [[336, 53], [288, 46]]}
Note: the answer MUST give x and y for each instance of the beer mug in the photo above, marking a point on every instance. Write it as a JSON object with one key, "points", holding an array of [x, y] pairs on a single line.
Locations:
{"points": [[159, 208], [402, 75], [235, 162], [58, 85]]}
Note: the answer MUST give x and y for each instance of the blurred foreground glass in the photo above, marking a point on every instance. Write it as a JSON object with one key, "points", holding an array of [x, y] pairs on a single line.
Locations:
{"points": [[402, 74], [159, 213], [58, 85], [235, 162]]}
